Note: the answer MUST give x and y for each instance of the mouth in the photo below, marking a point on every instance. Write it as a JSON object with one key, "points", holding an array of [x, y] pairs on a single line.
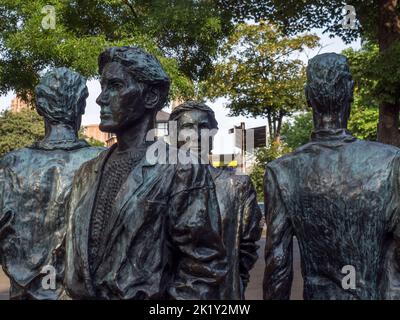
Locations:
{"points": [[105, 115]]}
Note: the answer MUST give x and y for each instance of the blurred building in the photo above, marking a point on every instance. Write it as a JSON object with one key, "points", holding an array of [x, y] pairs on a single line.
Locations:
{"points": [[17, 104], [245, 142], [93, 131]]}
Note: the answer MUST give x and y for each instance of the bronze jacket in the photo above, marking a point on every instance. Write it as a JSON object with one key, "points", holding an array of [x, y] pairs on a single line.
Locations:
{"points": [[162, 239], [241, 228], [34, 188], [340, 197]]}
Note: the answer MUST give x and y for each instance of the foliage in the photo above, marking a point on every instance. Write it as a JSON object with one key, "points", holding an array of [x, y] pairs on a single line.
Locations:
{"points": [[257, 75], [369, 90], [362, 124], [274, 150], [297, 132], [183, 34], [363, 120], [295, 16], [376, 76], [19, 129], [377, 23], [94, 143]]}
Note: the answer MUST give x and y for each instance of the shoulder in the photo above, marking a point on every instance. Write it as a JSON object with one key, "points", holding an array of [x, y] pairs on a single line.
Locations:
{"points": [[16, 157], [284, 162], [95, 157], [93, 151], [372, 147]]}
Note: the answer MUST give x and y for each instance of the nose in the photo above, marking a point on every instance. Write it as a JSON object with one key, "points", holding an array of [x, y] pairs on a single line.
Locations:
{"points": [[102, 99]]}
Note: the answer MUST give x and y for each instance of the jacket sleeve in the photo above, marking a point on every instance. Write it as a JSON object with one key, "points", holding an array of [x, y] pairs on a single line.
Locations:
{"points": [[6, 214], [251, 231], [392, 267], [278, 274], [194, 229]]}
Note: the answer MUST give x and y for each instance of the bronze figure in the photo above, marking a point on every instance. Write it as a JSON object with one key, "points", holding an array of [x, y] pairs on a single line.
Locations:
{"points": [[338, 195], [35, 183], [238, 208], [140, 229]]}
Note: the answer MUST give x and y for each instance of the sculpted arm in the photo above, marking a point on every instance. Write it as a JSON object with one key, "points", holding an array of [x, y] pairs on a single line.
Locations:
{"points": [[251, 231], [201, 258], [279, 243], [392, 268], [6, 214]]}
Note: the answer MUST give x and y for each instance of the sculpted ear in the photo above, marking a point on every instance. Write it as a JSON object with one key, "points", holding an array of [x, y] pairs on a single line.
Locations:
{"points": [[152, 98]]}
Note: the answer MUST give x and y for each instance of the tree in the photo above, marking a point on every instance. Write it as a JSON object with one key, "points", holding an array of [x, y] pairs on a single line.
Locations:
{"points": [[258, 77], [298, 132], [362, 124], [93, 142], [22, 129], [19, 129], [378, 22], [274, 150], [364, 118], [183, 34]]}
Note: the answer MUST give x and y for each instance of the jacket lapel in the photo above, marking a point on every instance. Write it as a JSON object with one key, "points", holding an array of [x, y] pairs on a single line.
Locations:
{"points": [[83, 213], [126, 193]]}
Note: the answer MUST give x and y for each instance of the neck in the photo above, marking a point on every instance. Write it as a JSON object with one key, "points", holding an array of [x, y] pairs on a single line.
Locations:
{"points": [[330, 123], [59, 133], [135, 135]]}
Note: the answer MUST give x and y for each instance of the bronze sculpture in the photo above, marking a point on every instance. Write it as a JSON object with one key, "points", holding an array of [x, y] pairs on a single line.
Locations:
{"points": [[237, 199], [35, 184], [139, 229], [338, 195]]}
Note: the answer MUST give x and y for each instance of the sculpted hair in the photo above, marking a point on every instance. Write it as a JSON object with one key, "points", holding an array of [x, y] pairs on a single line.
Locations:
{"points": [[329, 88], [61, 96], [142, 66], [191, 106]]}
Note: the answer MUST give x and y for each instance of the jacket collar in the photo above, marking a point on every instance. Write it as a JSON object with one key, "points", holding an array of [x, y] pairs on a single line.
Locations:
{"points": [[334, 135]]}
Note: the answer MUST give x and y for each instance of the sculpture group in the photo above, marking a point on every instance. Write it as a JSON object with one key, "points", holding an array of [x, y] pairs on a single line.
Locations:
{"points": [[130, 223]]}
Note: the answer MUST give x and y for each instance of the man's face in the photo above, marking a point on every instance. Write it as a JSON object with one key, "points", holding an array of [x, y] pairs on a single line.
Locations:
{"points": [[190, 126], [121, 99]]}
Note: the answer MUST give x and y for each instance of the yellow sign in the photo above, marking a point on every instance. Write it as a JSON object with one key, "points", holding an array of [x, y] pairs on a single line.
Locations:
{"points": [[232, 163]]}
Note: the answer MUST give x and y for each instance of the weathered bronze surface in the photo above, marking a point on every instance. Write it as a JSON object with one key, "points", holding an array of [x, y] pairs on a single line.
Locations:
{"points": [[156, 236], [35, 183], [239, 212], [338, 195]]}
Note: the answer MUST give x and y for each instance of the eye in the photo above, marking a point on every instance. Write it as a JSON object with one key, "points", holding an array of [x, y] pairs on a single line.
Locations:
{"points": [[117, 85], [187, 126]]}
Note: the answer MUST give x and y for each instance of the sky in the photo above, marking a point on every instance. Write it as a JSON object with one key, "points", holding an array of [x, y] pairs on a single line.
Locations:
{"points": [[223, 141]]}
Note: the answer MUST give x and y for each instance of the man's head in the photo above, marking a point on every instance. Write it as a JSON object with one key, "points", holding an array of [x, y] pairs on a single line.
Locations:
{"points": [[133, 83], [194, 116], [329, 90], [61, 97]]}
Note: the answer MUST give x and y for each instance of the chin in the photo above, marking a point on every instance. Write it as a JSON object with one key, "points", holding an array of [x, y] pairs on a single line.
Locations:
{"points": [[107, 127]]}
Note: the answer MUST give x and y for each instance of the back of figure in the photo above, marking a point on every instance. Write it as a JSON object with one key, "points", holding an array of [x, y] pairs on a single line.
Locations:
{"points": [[35, 183], [340, 208], [337, 195]]}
